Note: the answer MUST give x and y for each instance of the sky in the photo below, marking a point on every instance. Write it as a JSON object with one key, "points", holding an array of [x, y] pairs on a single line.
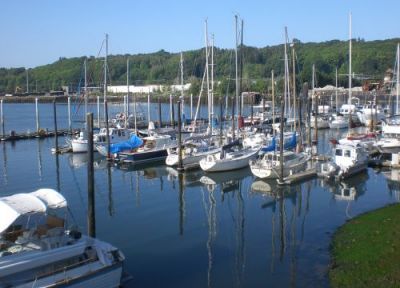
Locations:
{"points": [[39, 32]]}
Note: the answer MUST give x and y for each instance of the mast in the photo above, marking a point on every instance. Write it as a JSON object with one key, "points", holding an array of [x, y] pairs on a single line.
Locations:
{"points": [[241, 69], [212, 81], [294, 86], [105, 76], [397, 78], [207, 76], [273, 102], [86, 96], [349, 101], [127, 90], [236, 70], [336, 83], [286, 75], [182, 94]]}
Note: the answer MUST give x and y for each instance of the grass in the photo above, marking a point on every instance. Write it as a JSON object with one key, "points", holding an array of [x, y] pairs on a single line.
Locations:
{"points": [[366, 250]]}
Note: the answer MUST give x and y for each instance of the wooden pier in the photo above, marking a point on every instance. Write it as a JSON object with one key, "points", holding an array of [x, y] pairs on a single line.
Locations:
{"points": [[37, 134]]}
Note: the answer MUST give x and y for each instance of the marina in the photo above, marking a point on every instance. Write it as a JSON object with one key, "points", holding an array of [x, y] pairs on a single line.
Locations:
{"points": [[219, 166], [214, 229]]}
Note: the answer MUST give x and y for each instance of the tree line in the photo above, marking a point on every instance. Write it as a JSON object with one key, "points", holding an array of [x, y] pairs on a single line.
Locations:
{"points": [[370, 60]]}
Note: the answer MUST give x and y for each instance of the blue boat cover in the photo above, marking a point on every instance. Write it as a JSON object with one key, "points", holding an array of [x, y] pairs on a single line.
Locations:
{"points": [[270, 147], [132, 143], [292, 142]]}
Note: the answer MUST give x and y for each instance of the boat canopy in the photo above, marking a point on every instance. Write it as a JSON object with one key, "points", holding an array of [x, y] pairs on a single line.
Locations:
{"points": [[132, 143], [270, 147], [14, 206]]}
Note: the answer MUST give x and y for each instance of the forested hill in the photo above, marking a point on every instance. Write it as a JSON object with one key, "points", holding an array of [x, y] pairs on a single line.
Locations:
{"points": [[370, 59]]}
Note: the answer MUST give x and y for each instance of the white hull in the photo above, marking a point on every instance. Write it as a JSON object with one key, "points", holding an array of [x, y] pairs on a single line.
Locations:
{"points": [[236, 160], [263, 170], [338, 124], [191, 159], [79, 145]]}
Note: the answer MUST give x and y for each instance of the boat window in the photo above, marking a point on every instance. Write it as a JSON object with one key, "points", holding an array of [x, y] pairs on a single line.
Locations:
{"points": [[290, 157], [347, 153], [338, 152]]}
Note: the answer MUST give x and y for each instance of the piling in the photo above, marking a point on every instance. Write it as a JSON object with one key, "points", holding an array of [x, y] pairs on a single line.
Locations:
{"points": [[91, 200], [98, 111], [180, 163], [159, 112], [69, 115], [2, 117], [55, 125], [37, 115], [172, 115]]}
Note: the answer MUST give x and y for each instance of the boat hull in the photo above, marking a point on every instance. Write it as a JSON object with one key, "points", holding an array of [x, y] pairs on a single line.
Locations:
{"points": [[228, 164], [266, 172], [143, 157]]}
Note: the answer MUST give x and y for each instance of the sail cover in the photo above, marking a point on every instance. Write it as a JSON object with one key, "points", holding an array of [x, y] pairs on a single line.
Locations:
{"points": [[12, 207]]}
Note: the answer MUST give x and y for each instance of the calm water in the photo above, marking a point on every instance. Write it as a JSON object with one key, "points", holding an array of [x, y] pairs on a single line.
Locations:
{"points": [[200, 230]]}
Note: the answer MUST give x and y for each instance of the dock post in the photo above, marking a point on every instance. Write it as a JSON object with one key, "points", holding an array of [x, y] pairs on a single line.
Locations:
{"points": [[2, 117], [98, 111], [55, 125], [69, 115], [107, 130], [37, 115], [180, 164], [159, 112], [91, 201], [173, 115]]}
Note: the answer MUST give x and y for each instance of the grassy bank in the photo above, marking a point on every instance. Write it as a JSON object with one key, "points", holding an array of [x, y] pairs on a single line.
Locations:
{"points": [[366, 250]]}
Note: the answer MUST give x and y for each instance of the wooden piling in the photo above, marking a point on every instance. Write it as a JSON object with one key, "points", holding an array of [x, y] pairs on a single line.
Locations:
{"points": [[159, 112], [37, 115], [91, 200], [2, 118], [55, 125]]}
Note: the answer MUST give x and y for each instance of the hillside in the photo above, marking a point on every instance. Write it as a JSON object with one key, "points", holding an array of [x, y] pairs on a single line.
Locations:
{"points": [[370, 59]]}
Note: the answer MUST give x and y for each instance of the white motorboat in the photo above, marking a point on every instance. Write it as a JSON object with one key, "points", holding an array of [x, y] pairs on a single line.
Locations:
{"points": [[229, 158], [371, 113], [348, 159], [390, 142], [268, 164], [79, 144], [37, 251]]}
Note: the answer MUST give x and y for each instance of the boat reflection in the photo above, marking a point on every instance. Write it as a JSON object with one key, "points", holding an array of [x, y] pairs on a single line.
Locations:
{"points": [[78, 160], [349, 189], [393, 181], [228, 181]]}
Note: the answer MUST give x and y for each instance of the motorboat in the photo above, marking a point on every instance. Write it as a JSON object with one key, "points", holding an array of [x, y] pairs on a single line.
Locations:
{"points": [[371, 113], [37, 251], [268, 164], [348, 159], [79, 144]]}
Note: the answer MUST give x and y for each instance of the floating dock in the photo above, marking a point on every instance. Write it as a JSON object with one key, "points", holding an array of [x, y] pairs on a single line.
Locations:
{"points": [[298, 177]]}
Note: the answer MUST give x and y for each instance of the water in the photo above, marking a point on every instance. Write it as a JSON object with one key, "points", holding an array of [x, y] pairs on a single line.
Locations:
{"points": [[201, 230]]}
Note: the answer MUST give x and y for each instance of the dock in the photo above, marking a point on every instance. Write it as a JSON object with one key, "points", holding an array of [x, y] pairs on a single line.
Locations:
{"points": [[298, 177], [37, 134]]}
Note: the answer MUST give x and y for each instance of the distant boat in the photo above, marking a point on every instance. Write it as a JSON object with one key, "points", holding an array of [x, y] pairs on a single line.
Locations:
{"points": [[48, 255]]}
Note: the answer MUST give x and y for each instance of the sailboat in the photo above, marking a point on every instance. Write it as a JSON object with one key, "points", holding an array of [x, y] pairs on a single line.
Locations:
{"points": [[233, 155]]}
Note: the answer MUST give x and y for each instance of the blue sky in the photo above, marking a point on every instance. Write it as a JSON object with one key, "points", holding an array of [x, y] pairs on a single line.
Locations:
{"points": [[39, 32]]}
